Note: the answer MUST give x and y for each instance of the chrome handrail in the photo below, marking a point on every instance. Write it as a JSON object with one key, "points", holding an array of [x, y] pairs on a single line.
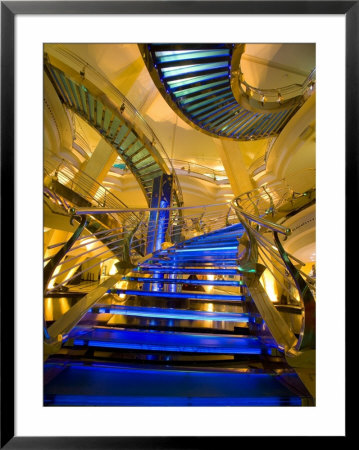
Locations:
{"points": [[270, 197], [65, 174], [200, 169], [277, 94], [278, 262], [126, 107], [274, 96]]}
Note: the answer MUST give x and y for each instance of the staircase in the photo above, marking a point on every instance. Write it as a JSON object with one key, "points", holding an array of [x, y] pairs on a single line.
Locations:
{"points": [[113, 116], [188, 334], [185, 322], [198, 82]]}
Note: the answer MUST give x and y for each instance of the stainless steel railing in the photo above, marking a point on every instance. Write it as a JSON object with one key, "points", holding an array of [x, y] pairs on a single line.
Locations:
{"points": [[197, 169], [129, 242], [128, 110], [86, 187], [263, 246]]}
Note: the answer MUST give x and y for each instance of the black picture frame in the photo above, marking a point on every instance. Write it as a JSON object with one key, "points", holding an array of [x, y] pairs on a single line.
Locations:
{"points": [[9, 9]]}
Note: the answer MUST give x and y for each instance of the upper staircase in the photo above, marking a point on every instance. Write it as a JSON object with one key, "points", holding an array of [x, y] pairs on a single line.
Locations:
{"points": [[200, 84], [77, 85]]}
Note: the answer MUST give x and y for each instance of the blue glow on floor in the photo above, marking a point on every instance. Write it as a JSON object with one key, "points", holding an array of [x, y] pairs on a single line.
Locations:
{"points": [[94, 400]]}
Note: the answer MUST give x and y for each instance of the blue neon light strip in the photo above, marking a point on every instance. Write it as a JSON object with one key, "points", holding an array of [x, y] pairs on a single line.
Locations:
{"points": [[225, 100], [219, 111], [213, 100], [200, 96], [166, 348], [173, 84], [175, 71], [199, 88], [208, 249], [169, 56], [211, 297], [186, 281], [187, 271], [170, 313]]}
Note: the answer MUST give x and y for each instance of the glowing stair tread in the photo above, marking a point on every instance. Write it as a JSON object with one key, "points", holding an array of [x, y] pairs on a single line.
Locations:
{"points": [[166, 341], [185, 281], [184, 295], [171, 313], [190, 270]]}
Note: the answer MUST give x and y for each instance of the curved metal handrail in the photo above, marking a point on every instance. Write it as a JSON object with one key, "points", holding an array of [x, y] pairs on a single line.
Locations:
{"points": [[279, 263], [272, 198], [195, 168], [126, 107], [274, 97], [55, 260], [74, 178]]}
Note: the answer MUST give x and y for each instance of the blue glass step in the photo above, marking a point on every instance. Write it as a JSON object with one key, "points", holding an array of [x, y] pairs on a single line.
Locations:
{"points": [[171, 313], [166, 341], [213, 271], [131, 385]]}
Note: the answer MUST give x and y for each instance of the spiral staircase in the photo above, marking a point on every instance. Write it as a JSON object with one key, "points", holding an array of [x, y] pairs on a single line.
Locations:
{"points": [[199, 83]]}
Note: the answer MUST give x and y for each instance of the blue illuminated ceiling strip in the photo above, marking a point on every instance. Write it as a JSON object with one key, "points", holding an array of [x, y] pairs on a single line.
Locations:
{"points": [[247, 125], [227, 116], [217, 112], [173, 84], [243, 124], [169, 56], [170, 313], [225, 101], [214, 271], [200, 96], [211, 100], [283, 119], [261, 123], [238, 122], [199, 88], [168, 72], [233, 129], [278, 123], [273, 118]]}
